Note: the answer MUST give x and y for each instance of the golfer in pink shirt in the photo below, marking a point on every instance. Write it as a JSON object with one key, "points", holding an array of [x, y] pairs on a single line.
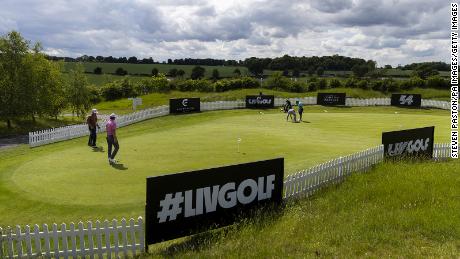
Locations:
{"points": [[111, 127]]}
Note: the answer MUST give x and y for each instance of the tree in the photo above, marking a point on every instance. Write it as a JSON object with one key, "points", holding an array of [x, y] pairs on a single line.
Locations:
{"points": [[173, 72], [424, 71], [360, 70], [278, 82], [237, 72], [78, 91], [311, 71], [320, 71], [215, 74], [154, 71], [13, 49], [197, 72], [388, 67], [121, 72], [29, 83], [180, 73], [286, 72], [98, 70], [296, 72], [132, 60], [255, 66]]}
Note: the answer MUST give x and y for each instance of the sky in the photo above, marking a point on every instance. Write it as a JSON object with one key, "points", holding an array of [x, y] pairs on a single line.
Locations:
{"points": [[387, 31]]}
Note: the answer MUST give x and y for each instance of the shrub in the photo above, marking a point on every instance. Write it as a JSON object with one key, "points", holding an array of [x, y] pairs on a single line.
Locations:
{"points": [[278, 81], [335, 83], [392, 85], [299, 87], [312, 86], [95, 94], [202, 85], [322, 84], [417, 82], [127, 88], [98, 70], [121, 72], [112, 91], [157, 83], [377, 85], [184, 85], [351, 82], [437, 82], [405, 85], [363, 84]]}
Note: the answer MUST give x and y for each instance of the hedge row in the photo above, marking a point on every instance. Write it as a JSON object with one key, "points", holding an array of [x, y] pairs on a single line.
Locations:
{"points": [[126, 88]]}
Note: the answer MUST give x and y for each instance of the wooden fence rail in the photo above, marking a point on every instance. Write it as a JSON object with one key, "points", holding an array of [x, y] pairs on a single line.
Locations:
{"points": [[102, 239]]}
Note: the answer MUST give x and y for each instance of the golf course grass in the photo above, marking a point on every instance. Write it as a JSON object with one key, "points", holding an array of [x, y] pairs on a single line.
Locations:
{"points": [[69, 182], [397, 210]]}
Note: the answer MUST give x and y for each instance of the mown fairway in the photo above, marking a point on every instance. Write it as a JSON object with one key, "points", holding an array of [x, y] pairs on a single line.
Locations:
{"points": [[69, 181]]}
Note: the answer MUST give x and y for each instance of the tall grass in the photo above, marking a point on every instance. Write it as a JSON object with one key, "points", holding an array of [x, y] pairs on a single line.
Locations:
{"points": [[407, 210]]}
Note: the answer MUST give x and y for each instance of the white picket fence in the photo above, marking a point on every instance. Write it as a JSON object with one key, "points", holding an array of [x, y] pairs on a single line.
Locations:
{"points": [[111, 239], [306, 182], [104, 239], [43, 137]]}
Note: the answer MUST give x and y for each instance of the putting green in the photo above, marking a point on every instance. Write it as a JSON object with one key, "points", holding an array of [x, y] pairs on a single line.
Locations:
{"points": [[73, 174]]}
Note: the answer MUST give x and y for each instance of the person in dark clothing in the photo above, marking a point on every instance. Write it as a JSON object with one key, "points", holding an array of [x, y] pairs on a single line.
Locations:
{"points": [[91, 120], [287, 105]]}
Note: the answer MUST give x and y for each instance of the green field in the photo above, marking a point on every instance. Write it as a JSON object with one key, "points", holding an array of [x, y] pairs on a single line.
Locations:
{"points": [[133, 69], [68, 181], [139, 71]]}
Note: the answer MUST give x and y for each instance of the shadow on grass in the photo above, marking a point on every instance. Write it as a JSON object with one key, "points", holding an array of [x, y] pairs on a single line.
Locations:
{"points": [[257, 218], [98, 149], [119, 167]]}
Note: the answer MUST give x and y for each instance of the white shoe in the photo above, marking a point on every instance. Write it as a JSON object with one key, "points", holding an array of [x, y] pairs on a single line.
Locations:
{"points": [[111, 161]]}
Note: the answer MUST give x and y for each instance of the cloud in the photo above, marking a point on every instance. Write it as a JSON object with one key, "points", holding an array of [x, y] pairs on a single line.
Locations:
{"points": [[331, 6], [373, 29]]}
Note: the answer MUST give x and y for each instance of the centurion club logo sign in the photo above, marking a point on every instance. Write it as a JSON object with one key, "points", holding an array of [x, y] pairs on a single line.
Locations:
{"points": [[409, 143], [260, 101], [331, 99], [187, 203], [184, 105], [406, 100]]}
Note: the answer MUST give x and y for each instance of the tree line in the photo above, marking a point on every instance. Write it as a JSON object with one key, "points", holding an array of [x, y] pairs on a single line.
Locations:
{"points": [[311, 65]]}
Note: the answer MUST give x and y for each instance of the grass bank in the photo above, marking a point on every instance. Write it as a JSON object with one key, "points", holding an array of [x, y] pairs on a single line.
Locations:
{"points": [[399, 210]]}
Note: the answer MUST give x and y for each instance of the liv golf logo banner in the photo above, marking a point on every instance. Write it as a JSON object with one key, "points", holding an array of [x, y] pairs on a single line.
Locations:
{"points": [[260, 101], [406, 100], [187, 203], [409, 143], [331, 99], [184, 105]]}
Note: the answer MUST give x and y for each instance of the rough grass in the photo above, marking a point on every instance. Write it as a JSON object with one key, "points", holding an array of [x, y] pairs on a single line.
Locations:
{"points": [[68, 181], [401, 210]]}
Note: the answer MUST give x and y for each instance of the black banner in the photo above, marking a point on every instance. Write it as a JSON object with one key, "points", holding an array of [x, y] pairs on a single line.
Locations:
{"points": [[260, 101], [406, 100], [331, 99], [188, 203], [184, 105], [415, 143]]}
